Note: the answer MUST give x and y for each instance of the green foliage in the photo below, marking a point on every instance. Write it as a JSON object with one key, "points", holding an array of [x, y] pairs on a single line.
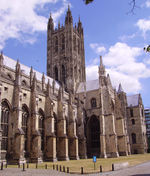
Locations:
{"points": [[88, 1], [147, 48]]}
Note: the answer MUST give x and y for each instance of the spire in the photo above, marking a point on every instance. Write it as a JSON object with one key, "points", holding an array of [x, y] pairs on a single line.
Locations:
{"points": [[48, 89], [108, 80], [69, 19], [18, 70], [58, 24], [51, 23], [120, 89], [1, 58], [31, 75], [34, 82], [43, 82], [79, 26], [101, 68]]}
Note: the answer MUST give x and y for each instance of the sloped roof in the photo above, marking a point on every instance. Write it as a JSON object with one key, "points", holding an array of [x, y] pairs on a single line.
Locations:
{"points": [[26, 70], [88, 86], [133, 100]]}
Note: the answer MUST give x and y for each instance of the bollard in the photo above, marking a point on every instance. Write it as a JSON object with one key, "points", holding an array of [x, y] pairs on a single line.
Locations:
{"points": [[23, 169], [45, 166], [60, 168], [1, 165], [101, 170], [27, 165], [36, 165], [63, 168], [67, 169], [53, 167], [18, 165], [6, 165], [57, 167], [112, 167], [81, 170]]}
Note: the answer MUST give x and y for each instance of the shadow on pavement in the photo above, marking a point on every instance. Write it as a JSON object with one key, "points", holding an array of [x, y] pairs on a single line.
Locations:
{"points": [[141, 175]]}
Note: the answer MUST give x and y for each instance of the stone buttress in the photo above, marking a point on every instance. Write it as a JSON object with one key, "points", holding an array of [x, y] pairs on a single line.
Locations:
{"points": [[62, 140], [107, 104], [36, 153], [50, 127], [17, 155], [72, 136]]}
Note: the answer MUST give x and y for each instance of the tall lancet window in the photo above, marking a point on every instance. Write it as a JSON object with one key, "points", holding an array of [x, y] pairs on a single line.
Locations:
{"points": [[41, 127], [63, 74], [93, 103], [74, 43], [56, 44], [79, 46], [5, 112], [62, 42], [133, 135], [25, 117], [56, 73]]}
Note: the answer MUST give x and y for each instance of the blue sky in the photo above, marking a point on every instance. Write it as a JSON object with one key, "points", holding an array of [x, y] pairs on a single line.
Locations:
{"points": [[110, 30]]}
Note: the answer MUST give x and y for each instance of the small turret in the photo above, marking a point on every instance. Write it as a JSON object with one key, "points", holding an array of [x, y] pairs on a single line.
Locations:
{"points": [[120, 89], [51, 23], [48, 89], [31, 76], [69, 19], [79, 26], [34, 82], [43, 82], [1, 59], [18, 74], [102, 71], [109, 81]]}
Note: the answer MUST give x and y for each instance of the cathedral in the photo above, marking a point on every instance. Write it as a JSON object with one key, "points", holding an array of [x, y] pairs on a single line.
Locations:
{"points": [[61, 116]]}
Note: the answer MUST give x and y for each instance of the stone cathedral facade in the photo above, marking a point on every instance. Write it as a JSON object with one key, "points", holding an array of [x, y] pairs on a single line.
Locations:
{"points": [[62, 116]]}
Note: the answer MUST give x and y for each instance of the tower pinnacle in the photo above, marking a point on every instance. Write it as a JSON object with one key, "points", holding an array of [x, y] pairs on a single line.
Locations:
{"points": [[101, 68], [69, 19]]}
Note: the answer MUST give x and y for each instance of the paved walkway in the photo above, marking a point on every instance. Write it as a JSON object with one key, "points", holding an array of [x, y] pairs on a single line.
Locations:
{"points": [[139, 170]]}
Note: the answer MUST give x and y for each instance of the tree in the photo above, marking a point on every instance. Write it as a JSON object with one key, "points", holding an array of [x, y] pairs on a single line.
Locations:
{"points": [[88, 1], [132, 3], [147, 48]]}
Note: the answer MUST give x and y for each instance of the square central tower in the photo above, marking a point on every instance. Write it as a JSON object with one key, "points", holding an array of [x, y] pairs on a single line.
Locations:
{"points": [[65, 53]]}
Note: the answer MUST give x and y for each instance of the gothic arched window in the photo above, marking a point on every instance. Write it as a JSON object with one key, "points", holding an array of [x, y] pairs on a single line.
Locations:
{"points": [[56, 73], [55, 124], [56, 44], [5, 112], [133, 121], [133, 138], [62, 42], [93, 102], [74, 43], [41, 127], [63, 74], [78, 46], [25, 116], [131, 112]]}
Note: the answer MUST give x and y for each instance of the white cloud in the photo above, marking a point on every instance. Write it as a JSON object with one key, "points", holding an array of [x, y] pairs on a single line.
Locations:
{"points": [[98, 48], [127, 37], [143, 25], [147, 3], [20, 17], [122, 64]]}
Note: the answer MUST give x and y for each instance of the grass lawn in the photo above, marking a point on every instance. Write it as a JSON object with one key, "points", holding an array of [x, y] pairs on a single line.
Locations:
{"points": [[88, 165]]}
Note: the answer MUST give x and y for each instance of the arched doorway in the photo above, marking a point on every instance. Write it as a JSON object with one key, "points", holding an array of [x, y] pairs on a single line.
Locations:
{"points": [[93, 137]]}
